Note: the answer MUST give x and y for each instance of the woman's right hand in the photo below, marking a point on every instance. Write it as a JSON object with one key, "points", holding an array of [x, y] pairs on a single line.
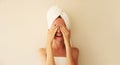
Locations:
{"points": [[51, 34]]}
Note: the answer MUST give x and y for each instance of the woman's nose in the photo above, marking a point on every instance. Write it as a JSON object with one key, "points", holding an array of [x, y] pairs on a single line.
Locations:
{"points": [[58, 29]]}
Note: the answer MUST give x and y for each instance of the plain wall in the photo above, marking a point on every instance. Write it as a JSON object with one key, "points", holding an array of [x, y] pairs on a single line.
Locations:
{"points": [[95, 30]]}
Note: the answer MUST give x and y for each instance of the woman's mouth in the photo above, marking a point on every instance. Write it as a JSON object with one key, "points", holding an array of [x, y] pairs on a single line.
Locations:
{"points": [[58, 35]]}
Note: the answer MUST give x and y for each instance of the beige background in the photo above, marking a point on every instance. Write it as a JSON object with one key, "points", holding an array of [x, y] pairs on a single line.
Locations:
{"points": [[95, 30]]}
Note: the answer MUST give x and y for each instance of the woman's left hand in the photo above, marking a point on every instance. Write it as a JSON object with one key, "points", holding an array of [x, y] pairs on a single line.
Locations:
{"points": [[66, 34]]}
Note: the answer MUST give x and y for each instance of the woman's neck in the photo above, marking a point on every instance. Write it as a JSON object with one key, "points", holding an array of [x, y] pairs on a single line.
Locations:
{"points": [[58, 45], [59, 49]]}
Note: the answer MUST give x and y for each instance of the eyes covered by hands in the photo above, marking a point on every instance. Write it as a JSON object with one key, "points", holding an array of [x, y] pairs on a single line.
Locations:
{"points": [[59, 25], [65, 32], [51, 33]]}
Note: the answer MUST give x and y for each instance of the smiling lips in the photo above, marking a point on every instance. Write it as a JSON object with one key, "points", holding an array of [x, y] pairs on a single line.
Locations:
{"points": [[58, 35]]}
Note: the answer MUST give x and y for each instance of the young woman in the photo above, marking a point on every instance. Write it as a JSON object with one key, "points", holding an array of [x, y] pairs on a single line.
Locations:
{"points": [[58, 50]]}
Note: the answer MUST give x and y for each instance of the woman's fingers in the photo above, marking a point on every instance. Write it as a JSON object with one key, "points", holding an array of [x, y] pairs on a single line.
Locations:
{"points": [[52, 29], [51, 33], [64, 30]]}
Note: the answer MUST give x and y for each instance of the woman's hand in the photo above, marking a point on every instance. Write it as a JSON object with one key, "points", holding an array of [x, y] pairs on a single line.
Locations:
{"points": [[66, 34], [51, 34]]}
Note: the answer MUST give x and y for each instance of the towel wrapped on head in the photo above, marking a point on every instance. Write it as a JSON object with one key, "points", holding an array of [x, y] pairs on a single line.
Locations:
{"points": [[53, 13]]}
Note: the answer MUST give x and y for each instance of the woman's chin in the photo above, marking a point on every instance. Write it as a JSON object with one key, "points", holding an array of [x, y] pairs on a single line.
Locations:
{"points": [[59, 38]]}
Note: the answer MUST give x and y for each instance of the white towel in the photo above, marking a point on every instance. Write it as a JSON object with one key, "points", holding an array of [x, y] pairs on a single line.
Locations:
{"points": [[55, 12], [60, 60]]}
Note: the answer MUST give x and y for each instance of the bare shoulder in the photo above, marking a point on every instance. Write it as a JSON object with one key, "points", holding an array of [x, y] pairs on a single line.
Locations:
{"points": [[42, 51], [75, 52]]}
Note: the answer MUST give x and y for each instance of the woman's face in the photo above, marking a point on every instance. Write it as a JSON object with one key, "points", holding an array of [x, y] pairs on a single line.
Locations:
{"points": [[58, 34]]}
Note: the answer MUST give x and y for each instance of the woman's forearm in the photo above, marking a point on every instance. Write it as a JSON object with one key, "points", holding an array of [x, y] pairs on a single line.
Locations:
{"points": [[69, 53], [50, 58]]}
